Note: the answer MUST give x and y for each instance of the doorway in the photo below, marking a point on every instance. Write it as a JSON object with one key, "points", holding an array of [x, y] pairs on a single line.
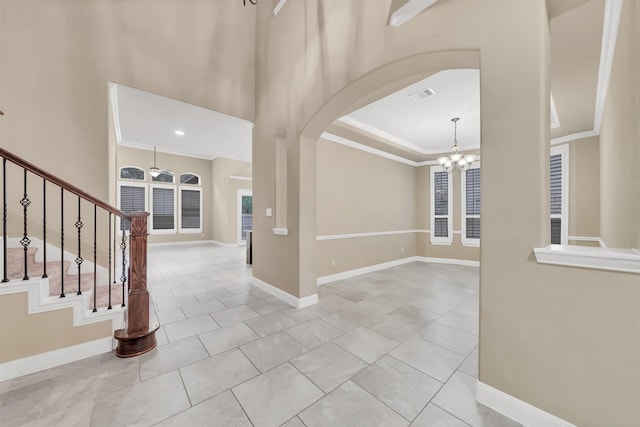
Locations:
{"points": [[244, 215]]}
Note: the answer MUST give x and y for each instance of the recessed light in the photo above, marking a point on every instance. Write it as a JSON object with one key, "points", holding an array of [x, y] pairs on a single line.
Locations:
{"points": [[179, 132]]}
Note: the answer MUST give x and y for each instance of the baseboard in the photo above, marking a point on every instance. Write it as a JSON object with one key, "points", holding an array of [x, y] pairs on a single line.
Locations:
{"points": [[453, 261], [516, 409], [183, 243], [39, 301], [226, 245], [376, 267], [51, 359], [364, 270], [285, 296]]}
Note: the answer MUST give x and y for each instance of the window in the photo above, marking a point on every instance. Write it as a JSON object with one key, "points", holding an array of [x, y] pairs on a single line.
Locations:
{"points": [[471, 205], [132, 172], [189, 178], [559, 189], [441, 227], [190, 210], [163, 177], [132, 194], [163, 209], [131, 198]]}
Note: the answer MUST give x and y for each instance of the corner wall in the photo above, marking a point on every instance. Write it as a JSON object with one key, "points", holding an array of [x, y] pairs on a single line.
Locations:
{"points": [[358, 192], [225, 197], [620, 139]]}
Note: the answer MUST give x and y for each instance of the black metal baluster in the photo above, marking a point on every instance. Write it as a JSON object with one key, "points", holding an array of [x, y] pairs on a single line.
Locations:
{"points": [[123, 278], [62, 272], [25, 241], [109, 237], [114, 249], [95, 258], [44, 227], [79, 259], [4, 220]]}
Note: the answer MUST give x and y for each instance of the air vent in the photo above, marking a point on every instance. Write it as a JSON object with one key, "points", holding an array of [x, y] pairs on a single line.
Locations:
{"points": [[422, 95]]}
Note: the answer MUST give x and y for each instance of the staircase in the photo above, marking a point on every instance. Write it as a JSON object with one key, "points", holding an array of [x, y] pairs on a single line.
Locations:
{"points": [[59, 273], [37, 204]]}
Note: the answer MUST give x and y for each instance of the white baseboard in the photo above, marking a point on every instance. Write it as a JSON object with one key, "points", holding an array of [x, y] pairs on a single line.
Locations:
{"points": [[516, 409], [453, 261], [227, 245], [51, 359], [371, 268], [39, 301], [364, 270], [284, 296]]}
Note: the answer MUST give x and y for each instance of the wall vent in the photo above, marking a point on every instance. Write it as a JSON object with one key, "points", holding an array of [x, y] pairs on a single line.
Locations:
{"points": [[422, 94]]}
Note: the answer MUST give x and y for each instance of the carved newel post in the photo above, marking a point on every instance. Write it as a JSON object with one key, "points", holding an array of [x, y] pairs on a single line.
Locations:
{"points": [[138, 337]]}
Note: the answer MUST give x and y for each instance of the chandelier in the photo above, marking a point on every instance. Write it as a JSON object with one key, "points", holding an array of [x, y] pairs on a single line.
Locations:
{"points": [[456, 160]]}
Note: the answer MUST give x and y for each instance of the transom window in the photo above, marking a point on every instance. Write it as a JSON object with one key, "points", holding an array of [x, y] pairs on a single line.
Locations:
{"points": [[163, 177], [189, 178], [130, 172]]}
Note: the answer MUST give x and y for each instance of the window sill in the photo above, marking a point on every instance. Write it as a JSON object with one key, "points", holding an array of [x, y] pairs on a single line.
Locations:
{"points": [[625, 260], [280, 231], [436, 243]]}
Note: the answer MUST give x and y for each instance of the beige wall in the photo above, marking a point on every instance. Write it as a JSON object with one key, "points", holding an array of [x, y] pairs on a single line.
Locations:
{"points": [[23, 335], [620, 140], [358, 192], [126, 156], [584, 188], [225, 197], [58, 57], [554, 337]]}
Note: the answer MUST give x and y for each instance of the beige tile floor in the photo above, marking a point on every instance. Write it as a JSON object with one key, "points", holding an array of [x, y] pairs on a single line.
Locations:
{"points": [[396, 347]]}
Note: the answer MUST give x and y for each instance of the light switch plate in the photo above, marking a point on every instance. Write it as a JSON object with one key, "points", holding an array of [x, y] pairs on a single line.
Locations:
{"points": [[269, 212]]}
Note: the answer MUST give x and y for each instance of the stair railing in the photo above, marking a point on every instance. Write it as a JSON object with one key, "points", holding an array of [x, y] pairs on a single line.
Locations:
{"points": [[138, 338]]}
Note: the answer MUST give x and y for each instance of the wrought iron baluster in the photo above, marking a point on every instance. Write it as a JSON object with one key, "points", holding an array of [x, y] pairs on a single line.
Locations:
{"points": [[62, 272], [79, 259], [114, 249], [95, 258], [123, 277], [25, 241], [109, 269], [44, 227], [4, 220]]}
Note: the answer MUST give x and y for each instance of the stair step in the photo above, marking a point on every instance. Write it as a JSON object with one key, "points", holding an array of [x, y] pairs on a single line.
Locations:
{"points": [[15, 270]]}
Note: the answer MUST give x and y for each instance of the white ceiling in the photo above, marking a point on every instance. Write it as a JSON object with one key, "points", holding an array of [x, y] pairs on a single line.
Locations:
{"points": [[425, 126], [143, 119]]}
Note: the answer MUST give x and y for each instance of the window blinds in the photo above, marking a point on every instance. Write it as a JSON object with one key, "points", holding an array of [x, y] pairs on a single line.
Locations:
{"points": [[131, 200], [556, 198], [472, 202], [190, 209], [163, 209]]}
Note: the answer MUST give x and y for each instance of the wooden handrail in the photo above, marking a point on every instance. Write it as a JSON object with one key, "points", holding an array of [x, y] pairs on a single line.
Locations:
{"points": [[62, 183]]}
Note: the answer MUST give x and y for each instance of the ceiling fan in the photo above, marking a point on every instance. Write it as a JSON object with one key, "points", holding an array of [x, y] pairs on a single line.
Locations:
{"points": [[155, 170]]}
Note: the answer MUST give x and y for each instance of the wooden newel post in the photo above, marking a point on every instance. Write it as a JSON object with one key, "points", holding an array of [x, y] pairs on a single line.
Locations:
{"points": [[138, 337]]}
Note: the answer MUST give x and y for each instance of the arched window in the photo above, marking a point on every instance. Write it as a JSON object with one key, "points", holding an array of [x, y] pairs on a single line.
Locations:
{"points": [[189, 178], [132, 172], [164, 177]]}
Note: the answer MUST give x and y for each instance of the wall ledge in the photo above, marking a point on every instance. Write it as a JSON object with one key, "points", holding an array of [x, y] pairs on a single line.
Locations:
{"points": [[280, 231], [624, 260]]}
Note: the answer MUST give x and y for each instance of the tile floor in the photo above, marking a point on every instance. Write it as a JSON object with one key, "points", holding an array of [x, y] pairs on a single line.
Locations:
{"points": [[396, 347]]}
